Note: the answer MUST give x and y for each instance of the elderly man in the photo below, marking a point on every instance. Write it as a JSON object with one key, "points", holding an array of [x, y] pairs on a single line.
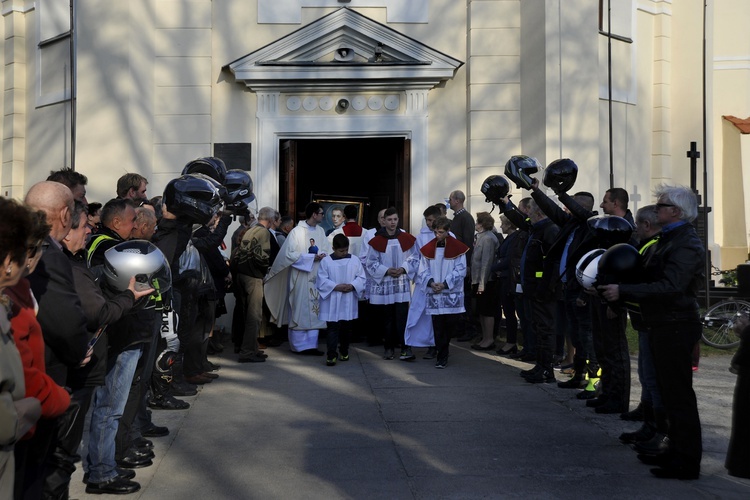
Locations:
{"points": [[145, 223], [60, 313], [674, 272], [252, 260]]}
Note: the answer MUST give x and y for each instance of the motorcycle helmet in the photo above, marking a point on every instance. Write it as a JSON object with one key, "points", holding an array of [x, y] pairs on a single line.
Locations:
{"points": [[194, 197], [587, 268], [139, 258], [560, 175], [610, 229], [494, 188], [621, 263], [519, 168], [240, 194], [208, 165]]}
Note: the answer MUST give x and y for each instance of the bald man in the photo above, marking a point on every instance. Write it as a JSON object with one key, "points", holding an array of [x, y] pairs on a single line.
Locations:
{"points": [[62, 320], [60, 313]]}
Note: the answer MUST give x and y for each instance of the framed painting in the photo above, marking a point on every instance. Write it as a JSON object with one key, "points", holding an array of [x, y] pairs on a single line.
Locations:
{"points": [[329, 203]]}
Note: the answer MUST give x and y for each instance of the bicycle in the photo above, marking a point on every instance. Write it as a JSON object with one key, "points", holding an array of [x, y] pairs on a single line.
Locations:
{"points": [[718, 323]]}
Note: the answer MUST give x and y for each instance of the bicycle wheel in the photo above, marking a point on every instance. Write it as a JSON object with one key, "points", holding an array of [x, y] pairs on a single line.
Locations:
{"points": [[718, 323]]}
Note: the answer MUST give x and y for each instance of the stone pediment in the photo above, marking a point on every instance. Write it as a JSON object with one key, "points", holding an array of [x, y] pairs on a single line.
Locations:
{"points": [[344, 49]]}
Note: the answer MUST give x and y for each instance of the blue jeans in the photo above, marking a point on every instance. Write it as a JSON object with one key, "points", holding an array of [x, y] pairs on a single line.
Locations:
{"points": [[647, 372], [107, 407]]}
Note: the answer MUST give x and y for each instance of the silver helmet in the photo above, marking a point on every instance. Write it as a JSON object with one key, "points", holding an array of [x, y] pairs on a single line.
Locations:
{"points": [[139, 258]]}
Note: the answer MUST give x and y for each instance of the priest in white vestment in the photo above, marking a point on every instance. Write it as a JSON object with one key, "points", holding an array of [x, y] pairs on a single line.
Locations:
{"points": [[289, 286]]}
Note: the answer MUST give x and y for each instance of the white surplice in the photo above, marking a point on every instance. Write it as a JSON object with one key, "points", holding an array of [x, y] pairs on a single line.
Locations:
{"points": [[340, 306], [289, 286]]}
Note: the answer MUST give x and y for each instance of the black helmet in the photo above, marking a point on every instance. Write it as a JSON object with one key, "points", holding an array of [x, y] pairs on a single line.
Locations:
{"points": [[560, 175], [494, 188], [240, 194], [208, 165], [621, 263], [519, 168], [139, 258], [193, 196], [610, 229]]}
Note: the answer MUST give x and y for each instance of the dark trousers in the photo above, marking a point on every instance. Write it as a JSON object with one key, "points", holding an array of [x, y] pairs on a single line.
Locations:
{"points": [[70, 427], [507, 306], [578, 322], [543, 313], [611, 346], [338, 336], [194, 338], [31, 456], [523, 307], [394, 323], [373, 324], [672, 347], [444, 326], [143, 416]]}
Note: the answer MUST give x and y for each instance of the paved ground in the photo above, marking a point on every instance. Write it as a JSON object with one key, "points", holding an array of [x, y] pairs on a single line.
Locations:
{"points": [[368, 428]]}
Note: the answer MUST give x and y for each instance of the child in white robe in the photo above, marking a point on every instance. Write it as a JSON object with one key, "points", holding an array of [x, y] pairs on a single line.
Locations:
{"points": [[341, 282], [442, 268]]}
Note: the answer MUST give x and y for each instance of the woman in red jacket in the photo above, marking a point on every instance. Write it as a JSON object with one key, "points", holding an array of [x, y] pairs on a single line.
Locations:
{"points": [[27, 334]]}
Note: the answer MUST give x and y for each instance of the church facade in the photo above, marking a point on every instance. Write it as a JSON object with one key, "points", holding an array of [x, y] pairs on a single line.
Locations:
{"points": [[384, 102]]}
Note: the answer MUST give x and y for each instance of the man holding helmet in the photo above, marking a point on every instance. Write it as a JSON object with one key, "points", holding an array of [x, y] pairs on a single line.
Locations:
{"points": [[573, 240], [668, 304], [537, 271], [111, 443], [608, 321]]}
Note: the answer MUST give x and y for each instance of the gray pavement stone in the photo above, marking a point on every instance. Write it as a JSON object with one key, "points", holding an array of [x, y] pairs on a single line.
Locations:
{"points": [[370, 428]]}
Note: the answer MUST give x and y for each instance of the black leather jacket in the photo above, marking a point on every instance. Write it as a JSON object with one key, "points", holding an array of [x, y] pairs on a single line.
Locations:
{"points": [[676, 269], [538, 275]]}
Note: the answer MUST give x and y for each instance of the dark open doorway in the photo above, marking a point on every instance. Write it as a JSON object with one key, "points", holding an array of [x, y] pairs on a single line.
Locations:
{"points": [[376, 170]]}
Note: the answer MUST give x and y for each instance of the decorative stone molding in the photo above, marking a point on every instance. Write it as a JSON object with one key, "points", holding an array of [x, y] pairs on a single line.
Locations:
{"points": [[306, 60]]}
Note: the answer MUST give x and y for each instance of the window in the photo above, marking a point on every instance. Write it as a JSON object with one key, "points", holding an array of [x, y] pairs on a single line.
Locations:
{"points": [[53, 52], [621, 14]]}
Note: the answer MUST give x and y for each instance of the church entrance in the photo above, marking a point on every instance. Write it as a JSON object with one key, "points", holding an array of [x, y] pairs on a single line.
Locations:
{"points": [[373, 173]]}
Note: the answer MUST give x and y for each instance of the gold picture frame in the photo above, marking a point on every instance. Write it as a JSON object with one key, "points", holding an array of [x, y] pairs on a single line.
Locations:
{"points": [[330, 202]]}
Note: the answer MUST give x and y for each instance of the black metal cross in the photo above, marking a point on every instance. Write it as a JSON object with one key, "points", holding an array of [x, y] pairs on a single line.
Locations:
{"points": [[694, 154]]}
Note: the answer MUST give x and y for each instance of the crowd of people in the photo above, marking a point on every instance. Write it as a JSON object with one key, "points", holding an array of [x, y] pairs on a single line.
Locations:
{"points": [[89, 335], [111, 307]]}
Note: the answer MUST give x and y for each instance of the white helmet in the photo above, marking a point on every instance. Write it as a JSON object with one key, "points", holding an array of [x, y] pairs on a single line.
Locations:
{"points": [[139, 258], [587, 268]]}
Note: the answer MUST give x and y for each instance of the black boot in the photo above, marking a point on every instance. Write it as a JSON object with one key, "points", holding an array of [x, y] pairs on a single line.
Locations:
{"points": [[659, 443], [578, 381], [647, 430], [179, 386], [546, 375], [531, 371]]}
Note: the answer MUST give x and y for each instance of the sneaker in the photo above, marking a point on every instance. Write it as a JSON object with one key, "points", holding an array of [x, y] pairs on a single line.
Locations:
{"points": [[332, 361], [344, 357], [441, 363], [388, 354], [431, 353], [407, 355]]}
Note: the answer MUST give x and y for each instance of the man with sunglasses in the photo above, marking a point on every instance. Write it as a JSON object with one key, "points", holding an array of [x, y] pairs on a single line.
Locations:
{"points": [[669, 307]]}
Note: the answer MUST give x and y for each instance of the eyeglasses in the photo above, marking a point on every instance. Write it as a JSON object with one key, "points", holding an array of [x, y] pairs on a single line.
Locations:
{"points": [[319, 213], [662, 205], [33, 249]]}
